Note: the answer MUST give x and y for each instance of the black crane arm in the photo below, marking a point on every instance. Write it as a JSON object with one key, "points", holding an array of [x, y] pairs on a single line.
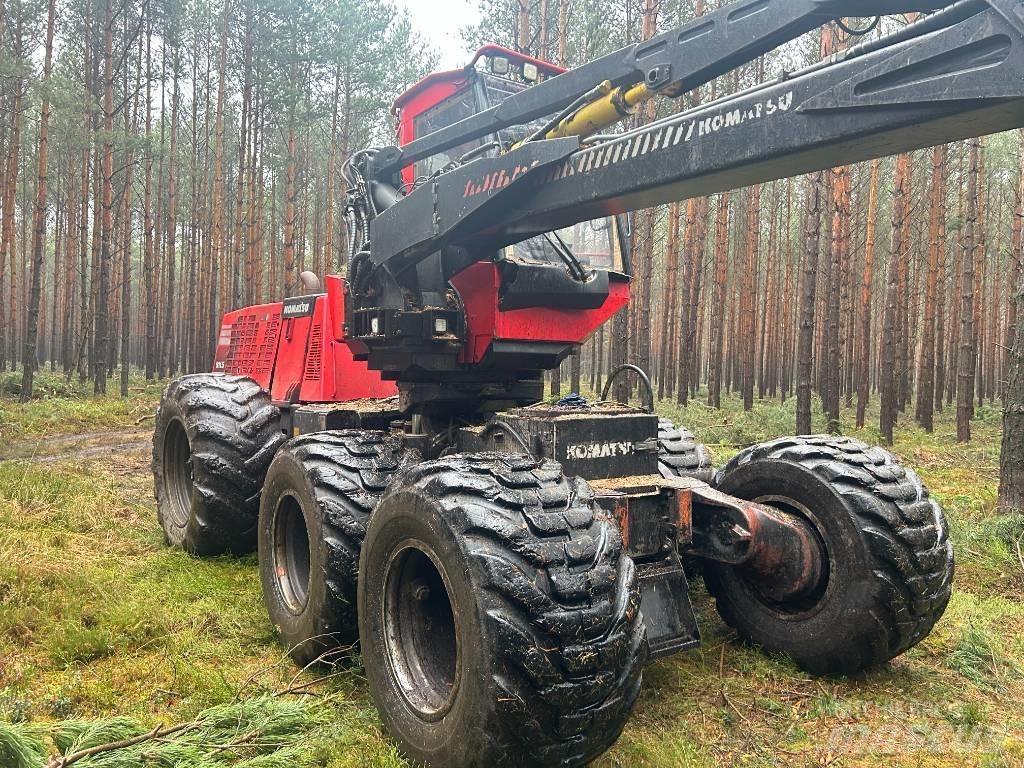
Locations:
{"points": [[957, 74], [958, 82], [672, 62]]}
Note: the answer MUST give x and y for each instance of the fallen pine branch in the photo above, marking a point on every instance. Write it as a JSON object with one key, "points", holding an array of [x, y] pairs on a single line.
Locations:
{"points": [[62, 761], [267, 729]]}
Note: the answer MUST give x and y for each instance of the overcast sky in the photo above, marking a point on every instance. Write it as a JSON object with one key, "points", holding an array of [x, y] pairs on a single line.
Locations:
{"points": [[439, 21]]}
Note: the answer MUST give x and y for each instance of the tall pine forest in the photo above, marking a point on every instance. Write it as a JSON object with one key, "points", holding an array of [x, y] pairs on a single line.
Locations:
{"points": [[165, 161]]}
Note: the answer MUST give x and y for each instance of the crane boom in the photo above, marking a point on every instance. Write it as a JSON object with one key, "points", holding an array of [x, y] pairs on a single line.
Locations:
{"points": [[673, 62], [957, 74], [951, 84]]}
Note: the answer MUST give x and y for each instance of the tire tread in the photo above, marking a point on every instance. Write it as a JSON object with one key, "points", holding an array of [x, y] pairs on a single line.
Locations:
{"points": [[234, 433], [563, 602], [904, 531], [680, 455], [349, 471]]}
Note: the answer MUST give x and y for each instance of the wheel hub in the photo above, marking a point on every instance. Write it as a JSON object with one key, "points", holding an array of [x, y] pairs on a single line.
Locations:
{"points": [[773, 540], [291, 553], [177, 470], [421, 631], [788, 560]]}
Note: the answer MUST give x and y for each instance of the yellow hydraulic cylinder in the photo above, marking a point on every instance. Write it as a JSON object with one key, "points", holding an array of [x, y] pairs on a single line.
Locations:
{"points": [[611, 106]]}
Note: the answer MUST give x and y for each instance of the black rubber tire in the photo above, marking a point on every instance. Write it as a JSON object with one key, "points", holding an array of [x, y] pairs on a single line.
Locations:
{"points": [[890, 563], [214, 438], [680, 455], [337, 478], [548, 609]]}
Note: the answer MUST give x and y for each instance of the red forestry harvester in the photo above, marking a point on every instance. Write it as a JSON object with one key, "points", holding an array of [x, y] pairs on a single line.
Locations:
{"points": [[508, 566]]}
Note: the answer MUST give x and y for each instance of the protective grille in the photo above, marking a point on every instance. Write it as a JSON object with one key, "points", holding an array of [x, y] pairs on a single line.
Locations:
{"points": [[313, 356], [251, 353]]}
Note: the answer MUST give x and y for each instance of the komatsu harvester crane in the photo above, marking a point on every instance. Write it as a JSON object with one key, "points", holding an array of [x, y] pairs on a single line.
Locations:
{"points": [[507, 566]]}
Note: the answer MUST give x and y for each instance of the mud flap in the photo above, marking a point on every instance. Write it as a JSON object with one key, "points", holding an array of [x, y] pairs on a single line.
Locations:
{"points": [[665, 603]]}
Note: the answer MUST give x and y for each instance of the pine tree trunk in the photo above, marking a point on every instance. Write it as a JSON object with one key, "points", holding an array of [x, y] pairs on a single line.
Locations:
{"points": [[940, 297], [956, 287], [902, 362], [69, 326], [808, 301], [59, 282], [523, 26], [750, 296], [1017, 261], [670, 310], [219, 252], [1011, 476], [926, 370], [131, 127], [888, 373], [289, 213], [834, 41], [102, 298], [10, 190], [148, 267], [718, 302], [866, 299], [789, 317], [966, 361], [837, 282], [29, 353]]}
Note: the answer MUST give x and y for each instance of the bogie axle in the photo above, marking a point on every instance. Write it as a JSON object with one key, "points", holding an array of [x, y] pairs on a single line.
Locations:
{"points": [[507, 577]]}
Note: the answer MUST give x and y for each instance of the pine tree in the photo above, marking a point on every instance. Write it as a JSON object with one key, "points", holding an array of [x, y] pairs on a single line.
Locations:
{"points": [[967, 355], [808, 301], [1011, 476], [29, 357]]}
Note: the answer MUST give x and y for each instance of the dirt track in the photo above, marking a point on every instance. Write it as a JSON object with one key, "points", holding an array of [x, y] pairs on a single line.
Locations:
{"points": [[87, 445]]}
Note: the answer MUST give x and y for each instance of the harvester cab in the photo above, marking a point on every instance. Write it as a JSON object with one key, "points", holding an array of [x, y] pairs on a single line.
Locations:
{"points": [[470, 323], [507, 566], [445, 98]]}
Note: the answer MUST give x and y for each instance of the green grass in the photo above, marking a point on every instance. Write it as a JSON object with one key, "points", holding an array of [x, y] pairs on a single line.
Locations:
{"points": [[65, 407], [99, 619]]}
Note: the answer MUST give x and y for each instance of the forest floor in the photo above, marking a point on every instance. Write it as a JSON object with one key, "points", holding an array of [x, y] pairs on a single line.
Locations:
{"points": [[98, 618]]}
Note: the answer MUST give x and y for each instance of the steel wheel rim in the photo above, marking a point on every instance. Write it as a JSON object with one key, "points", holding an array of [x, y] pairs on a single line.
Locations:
{"points": [[177, 472], [291, 553], [421, 631]]}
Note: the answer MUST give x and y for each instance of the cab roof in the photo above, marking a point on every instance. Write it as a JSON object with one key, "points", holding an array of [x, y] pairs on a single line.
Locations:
{"points": [[455, 75]]}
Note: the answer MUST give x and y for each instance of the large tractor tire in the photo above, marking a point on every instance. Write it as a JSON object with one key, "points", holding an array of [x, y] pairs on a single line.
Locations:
{"points": [[499, 618], [316, 504], [889, 566], [215, 437], [680, 455]]}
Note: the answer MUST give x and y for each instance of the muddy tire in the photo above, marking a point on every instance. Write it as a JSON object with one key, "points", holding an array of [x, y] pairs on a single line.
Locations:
{"points": [[319, 495], [214, 438], [500, 619], [680, 455], [890, 564]]}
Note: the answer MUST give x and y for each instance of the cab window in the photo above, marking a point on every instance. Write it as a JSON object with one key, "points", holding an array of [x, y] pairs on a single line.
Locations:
{"points": [[595, 244], [456, 107]]}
